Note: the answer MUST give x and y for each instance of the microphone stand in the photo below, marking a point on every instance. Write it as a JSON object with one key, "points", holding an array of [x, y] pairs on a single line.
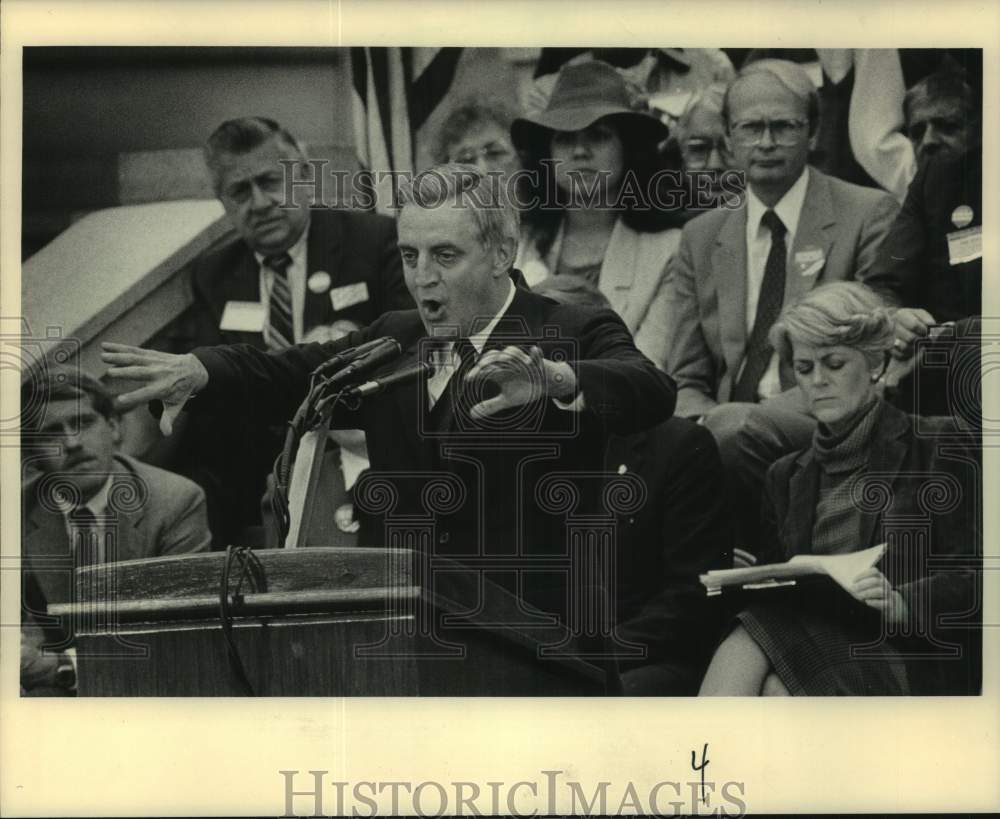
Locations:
{"points": [[307, 433]]}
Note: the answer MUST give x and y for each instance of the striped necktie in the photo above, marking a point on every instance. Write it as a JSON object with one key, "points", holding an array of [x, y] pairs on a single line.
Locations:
{"points": [[772, 294], [279, 332]]}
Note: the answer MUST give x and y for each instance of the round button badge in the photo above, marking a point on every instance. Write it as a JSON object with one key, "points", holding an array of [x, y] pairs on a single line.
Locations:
{"points": [[319, 282], [961, 216]]}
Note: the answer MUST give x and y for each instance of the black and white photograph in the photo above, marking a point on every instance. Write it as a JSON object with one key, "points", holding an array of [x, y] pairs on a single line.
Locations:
{"points": [[546, 379]]}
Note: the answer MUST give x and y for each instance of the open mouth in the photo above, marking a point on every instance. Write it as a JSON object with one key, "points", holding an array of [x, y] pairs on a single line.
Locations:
{"points": [[431, 308]]}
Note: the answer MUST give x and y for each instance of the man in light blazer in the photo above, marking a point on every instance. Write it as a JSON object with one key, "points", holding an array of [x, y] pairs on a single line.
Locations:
{"points": [[84, 503], [736, 268]]}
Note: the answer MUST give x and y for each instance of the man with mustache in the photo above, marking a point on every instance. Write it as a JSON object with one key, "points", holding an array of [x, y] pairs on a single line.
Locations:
{"points": [[85, 503]]}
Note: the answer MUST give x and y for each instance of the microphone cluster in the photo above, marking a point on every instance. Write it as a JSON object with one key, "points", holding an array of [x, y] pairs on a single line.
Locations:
{"points": [[344, 370]]}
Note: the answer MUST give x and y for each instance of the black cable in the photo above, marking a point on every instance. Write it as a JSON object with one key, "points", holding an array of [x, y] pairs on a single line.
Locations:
{"points": [[250, 566]]}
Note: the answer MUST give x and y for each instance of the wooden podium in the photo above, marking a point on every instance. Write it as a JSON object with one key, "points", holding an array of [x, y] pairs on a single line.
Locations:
{"points": [[331, 622]]}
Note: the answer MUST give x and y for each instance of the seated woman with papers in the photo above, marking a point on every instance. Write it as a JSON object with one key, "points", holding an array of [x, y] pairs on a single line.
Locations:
{"points": [[888, 505]]}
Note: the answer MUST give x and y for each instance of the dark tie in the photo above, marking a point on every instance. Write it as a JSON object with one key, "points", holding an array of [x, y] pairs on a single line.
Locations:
{"points": [[772, 294], [452, 400], [86, 537], [279, 332]]}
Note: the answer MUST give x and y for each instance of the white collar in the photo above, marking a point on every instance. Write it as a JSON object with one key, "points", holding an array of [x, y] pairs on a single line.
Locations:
{"points": [[296, 251], [478, 340], [788, 208], [98, 503]]}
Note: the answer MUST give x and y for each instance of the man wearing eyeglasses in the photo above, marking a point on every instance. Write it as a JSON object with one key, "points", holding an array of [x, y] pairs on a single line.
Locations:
{"points": [[736, 268]]}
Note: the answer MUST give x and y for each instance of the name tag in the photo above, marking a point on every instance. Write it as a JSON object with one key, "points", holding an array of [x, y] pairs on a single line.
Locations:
{"points": [[243, 316], [809, 261], [965, 245], [811, 269], [349, 295]]}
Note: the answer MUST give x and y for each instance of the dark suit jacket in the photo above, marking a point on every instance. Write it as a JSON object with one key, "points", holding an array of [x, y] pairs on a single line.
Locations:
{"points": [[158, 513], [707, 280], [680, 532], [500, 504], [351, 247], [926, 481], [915, 253], [231, 459]]}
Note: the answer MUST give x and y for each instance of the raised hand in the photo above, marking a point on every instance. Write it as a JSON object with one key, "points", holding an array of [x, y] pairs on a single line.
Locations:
{"points": [[166, 377], [522, 378], [911, 323]]}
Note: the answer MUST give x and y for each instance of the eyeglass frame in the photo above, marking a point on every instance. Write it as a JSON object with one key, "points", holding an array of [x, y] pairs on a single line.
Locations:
{"points": [[488, 152], [714, 144], [799, 124]]}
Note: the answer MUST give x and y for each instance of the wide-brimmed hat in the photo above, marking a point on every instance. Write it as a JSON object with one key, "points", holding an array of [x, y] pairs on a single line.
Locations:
{"points": [[583, 94]]}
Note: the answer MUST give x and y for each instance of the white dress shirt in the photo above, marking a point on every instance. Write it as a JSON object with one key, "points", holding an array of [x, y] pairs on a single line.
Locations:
{"points": [[758, 239], [98, 506], [296, 275], [442, 374]]}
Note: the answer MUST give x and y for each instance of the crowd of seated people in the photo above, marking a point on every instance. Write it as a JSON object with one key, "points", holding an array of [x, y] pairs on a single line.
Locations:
{"points": [[788, 310]]}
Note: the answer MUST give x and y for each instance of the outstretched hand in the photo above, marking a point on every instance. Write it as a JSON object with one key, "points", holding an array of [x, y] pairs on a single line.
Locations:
{"points": [[166, 377], [523, 377]]}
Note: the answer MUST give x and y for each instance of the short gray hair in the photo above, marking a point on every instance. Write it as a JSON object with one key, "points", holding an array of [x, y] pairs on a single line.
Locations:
{"points": [[710, 98], [792, 76], [847, 314], [240, 136], [465, 186]]}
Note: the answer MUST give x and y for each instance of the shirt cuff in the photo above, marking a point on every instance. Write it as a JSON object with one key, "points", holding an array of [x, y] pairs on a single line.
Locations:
{"points": [[576, 405]]}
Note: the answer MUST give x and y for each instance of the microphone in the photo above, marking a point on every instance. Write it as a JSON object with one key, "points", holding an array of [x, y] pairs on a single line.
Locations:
{"points": [[412, 373], [347, 356], [385, 350]]}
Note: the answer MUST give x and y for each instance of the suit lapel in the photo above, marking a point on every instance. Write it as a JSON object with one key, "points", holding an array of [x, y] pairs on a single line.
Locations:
{"points": [[888, 453], [617, 275], [411, 406], [324, 248], [803, 494], [813, 239], [729, 265], [46, 550], [245, 286], [129, 537]]}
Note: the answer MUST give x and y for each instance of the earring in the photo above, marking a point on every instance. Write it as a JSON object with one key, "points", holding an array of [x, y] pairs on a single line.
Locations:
{"points": [[875, 378]]}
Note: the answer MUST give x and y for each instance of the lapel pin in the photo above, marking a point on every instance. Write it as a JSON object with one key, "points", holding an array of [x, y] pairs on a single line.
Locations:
{"points": [[319, 282], [961, 216]]}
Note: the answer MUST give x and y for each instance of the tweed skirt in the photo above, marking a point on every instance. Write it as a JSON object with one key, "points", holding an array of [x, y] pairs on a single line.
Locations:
{"points": [[818, 649]]}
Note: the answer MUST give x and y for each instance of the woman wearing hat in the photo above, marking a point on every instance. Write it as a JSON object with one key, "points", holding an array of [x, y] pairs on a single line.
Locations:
{"points": [[602, 211]]}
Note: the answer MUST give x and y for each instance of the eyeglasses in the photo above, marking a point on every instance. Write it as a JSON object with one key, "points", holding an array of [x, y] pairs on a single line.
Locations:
{"points": [[493, 152], [697, 150], [784, 132]]}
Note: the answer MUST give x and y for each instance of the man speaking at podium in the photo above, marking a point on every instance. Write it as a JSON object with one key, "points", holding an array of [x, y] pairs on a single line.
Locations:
{"points": [[520, 397]]}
